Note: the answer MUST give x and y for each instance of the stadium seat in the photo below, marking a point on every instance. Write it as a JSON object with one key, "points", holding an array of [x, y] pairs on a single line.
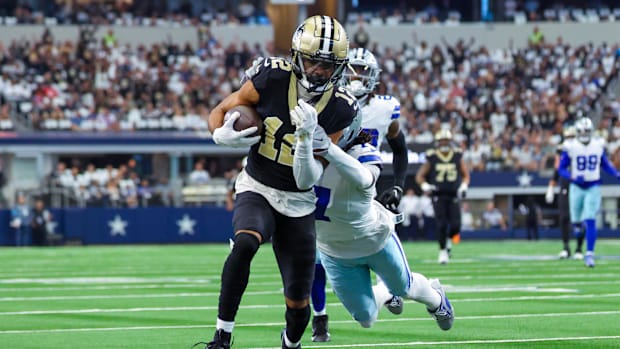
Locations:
{"points": [[592, 15], [550, 14], [604, 13], [10, 21], [578, 15], [50, 21]]}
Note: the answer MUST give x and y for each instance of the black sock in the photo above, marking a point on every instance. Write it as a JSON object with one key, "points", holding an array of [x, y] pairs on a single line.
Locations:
{"points": [[235, 275], [296, 322]]}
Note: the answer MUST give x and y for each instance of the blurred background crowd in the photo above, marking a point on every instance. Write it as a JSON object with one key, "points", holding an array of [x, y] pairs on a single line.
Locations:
{"points": [[506, 107]]}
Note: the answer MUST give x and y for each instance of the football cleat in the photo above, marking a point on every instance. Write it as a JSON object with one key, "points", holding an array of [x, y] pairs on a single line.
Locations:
{"points": [[444, 314], [578, 255], [221, 340], [444, 257], [320, 329], [589, 260], [564, 254], [395, 305], [284, 342]]}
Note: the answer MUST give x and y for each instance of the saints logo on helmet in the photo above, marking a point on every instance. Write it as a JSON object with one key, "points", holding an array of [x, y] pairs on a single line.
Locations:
{"points": [[364, 75], [584, 128], [321, 43], [443, 139]]}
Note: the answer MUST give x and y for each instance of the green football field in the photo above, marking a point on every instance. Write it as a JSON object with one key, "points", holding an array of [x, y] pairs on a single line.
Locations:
{"points": [[507, 294]]}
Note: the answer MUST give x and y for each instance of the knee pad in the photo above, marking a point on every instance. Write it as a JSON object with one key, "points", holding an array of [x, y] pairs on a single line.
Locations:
{"points": [[245, 245]]}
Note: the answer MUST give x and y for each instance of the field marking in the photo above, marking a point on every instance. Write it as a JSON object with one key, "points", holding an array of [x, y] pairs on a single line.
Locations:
{"points": [[255, 293], [279, 324], [471, 341]]}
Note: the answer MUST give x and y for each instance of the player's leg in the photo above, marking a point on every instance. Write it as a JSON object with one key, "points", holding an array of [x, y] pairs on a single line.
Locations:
{"points": [[565, 226], [441, 217], [454, 218], [320, 328], [592, 203], [576, 200], [252, 216], [293, 243]]}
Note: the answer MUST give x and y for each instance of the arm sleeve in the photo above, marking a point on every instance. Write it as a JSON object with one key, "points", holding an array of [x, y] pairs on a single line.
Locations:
{"points": [[563, 166], [306, 169], [608, 166], [351, 169], [400, 158]]}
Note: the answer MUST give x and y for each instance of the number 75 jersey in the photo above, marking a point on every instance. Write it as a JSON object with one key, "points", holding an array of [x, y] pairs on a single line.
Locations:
{"points": [[585, 159]]}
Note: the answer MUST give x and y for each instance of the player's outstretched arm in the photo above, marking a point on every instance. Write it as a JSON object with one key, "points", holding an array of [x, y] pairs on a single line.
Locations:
{"points": [[391, 197], [246, 95], [351, 169], [608, 167]]}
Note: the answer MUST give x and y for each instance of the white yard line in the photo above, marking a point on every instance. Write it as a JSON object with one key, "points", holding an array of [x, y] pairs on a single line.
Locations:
{"points": [[279, 324]]}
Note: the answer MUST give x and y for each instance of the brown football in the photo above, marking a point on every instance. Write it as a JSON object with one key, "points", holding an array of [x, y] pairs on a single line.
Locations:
{"points": [[248, 117]]}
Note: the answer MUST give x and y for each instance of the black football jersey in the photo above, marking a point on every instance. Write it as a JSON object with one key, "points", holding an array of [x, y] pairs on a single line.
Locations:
{"points": [[444, 171], [270, 161], [562, 182]]}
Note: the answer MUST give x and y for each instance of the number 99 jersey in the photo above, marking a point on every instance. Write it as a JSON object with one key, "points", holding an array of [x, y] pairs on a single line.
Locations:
{"points": [[270, 161], [585, 159]]}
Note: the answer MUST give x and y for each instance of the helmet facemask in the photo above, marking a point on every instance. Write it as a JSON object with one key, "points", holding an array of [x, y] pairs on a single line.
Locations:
{"points": [[363, 74], [584, 129]]}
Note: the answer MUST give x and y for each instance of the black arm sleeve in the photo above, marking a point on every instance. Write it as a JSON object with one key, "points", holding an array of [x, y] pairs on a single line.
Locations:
{"points": [[556, 175], [400, 159]]}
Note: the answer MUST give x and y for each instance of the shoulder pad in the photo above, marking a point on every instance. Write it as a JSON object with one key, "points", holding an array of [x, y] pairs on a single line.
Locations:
{"points": [[366, 154]]}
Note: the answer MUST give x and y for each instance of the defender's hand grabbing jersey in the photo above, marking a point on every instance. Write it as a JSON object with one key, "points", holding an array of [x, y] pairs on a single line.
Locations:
{"points": [[270, 164]]}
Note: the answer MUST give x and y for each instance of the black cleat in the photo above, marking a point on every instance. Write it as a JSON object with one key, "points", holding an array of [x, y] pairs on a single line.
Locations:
{"points": [[284, 343], [221, 340], [320, 329]]}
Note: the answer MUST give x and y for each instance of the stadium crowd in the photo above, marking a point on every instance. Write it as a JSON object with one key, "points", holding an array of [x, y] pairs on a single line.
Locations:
{"points": [[506, 107]]}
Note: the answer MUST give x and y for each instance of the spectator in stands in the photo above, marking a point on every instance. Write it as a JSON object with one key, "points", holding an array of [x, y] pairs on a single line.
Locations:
{"points": [[536, 39], [361, 38], [21, 216], [493, 218], [41, 218], [468, 222], [199, 175]]}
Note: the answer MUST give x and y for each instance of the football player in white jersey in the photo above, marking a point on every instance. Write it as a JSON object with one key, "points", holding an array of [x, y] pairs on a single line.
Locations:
{"points": [[580, 162], [380, 115], [355, 233]]}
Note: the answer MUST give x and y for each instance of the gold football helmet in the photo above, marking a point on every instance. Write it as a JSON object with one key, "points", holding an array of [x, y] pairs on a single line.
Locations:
{"points": [[443, 139], [319, 52]]}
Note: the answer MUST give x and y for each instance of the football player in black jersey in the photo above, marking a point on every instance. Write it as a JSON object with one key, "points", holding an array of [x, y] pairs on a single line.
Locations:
{"points": [[564, 212], [273, 200], [446, 177]]}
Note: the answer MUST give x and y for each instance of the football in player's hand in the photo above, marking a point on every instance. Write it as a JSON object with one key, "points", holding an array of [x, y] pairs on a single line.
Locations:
{"points": [[248, 117]]}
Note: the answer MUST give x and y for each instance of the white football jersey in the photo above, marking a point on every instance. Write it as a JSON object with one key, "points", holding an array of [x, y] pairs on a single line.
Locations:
{"points": [[377, 115], [585, 159], [349, 222]]}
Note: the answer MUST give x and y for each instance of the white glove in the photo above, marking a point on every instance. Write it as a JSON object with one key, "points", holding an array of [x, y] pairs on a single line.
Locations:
{"points": [[305, 119], [227, 135], [320, 141], [462, 190], [251, 71], [427, 187], [549, 195]]}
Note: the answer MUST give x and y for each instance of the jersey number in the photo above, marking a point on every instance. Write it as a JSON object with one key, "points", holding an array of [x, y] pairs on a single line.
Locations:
{"points": [[282, 155], [374, 133], [587, 162], [322, 201], [445, 172]]}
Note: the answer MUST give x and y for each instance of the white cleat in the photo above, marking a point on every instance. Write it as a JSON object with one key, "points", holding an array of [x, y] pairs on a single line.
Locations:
{"points": [[444, 258], [578, 256], [444, 314], [563, 254]]}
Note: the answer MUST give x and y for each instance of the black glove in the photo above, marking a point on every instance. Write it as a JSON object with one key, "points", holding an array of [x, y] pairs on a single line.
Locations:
{"points": [[391, 198]]}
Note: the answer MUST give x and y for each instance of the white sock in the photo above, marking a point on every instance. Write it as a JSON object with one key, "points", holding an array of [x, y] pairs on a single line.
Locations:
{"points": [[225, 325], [421, 291], [319, 313], [288, 343]]}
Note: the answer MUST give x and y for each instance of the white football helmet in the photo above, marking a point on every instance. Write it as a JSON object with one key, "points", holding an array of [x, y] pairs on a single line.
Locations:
{"points": [[364, 75], [584, 128], [322, 41]]}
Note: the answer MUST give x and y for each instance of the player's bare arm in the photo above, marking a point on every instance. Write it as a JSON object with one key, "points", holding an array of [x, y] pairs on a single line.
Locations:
{"points": [[246, 95]]}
